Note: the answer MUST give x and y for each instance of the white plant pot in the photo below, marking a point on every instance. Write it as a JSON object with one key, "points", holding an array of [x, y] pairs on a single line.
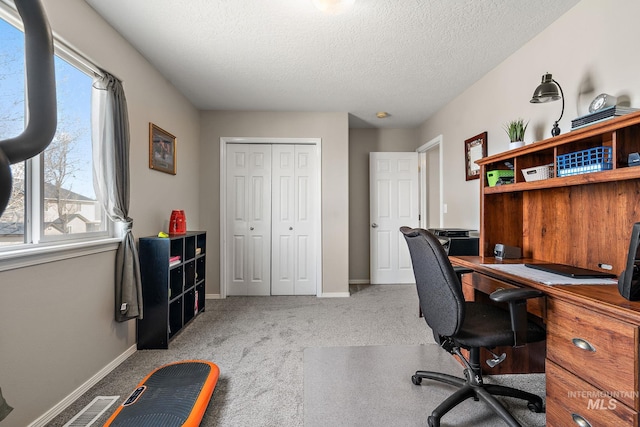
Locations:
{"points": [[516, 144]]}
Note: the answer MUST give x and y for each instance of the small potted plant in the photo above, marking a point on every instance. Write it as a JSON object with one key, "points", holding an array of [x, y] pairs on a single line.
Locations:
{"points": [[516, 129]]}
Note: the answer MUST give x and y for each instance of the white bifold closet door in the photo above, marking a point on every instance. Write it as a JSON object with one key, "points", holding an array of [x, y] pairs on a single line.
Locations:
{"points": [[248, 219], [293, 267], [271, 236]]}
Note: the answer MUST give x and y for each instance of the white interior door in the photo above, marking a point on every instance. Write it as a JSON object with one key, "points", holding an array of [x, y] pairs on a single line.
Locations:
{"points": [[248, 219], [293, 269], [393, 188]]}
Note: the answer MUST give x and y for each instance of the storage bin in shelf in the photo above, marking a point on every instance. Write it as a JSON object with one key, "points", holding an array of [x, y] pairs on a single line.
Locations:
{"points": [[586, 161], [538, 173], [494, 176]]}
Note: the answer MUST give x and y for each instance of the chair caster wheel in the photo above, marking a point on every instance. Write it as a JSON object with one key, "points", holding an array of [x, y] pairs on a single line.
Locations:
{"points": [[433, 422], [416, 379], [535, 407]]}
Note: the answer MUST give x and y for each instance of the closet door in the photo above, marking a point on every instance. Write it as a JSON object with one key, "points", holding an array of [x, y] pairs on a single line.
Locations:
{"points": [[248, 225], [293, 268]]}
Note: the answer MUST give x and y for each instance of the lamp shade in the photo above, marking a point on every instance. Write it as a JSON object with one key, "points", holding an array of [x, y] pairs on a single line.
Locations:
{"points": [[547, 91]]}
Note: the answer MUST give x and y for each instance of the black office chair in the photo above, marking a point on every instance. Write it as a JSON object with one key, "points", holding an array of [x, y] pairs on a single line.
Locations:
{"points": [[458, 324]]}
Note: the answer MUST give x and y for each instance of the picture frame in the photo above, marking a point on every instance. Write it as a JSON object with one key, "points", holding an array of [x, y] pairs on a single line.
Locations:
{"points": [[162, 150], [475, 148]]}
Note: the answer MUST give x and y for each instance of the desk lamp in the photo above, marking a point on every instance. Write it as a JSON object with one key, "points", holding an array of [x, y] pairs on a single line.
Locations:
{"points": [[548, 91]]}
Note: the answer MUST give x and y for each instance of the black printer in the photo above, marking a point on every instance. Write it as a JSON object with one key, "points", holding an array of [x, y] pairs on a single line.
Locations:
{"points": [[459, 241]]}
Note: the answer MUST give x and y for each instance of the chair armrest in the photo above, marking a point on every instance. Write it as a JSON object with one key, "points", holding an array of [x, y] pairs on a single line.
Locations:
{"points": [[517, 299], [462, 270], [459, 270], [508, 295]]}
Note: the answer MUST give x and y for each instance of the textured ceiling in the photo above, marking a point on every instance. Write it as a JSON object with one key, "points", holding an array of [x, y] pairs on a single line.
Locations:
{"points": [[407, 57]]}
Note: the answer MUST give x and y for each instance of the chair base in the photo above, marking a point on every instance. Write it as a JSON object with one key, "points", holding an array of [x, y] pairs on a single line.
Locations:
{"points": [[484, 392]]}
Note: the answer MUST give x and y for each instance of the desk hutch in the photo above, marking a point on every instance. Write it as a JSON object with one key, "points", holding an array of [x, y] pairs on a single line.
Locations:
{"points": [[593, 334]]}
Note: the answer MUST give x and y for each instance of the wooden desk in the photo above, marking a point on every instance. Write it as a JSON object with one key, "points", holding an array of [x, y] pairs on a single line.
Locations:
{"points": [[600, 384], [583, 220]]}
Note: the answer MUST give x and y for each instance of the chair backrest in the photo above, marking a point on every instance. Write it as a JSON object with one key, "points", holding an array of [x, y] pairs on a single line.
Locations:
{"points": [[439, 290]]}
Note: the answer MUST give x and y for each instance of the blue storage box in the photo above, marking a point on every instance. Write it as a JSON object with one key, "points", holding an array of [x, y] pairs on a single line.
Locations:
{"points": [[585, 161]]}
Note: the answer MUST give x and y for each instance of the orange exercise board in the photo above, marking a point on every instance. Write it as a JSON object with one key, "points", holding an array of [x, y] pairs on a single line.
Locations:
{"points": [[176, 394]]}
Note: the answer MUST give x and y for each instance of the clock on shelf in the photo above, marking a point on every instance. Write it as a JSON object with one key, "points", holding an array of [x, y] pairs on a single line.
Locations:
{"points": [[602, 101], [603, 107]]}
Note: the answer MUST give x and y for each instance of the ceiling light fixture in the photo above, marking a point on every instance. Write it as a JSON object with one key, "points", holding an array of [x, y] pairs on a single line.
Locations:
{"points": [[382, 114], [333, 7]]}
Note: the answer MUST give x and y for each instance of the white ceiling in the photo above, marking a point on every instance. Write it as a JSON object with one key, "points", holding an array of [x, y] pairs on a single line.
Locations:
{"points": [[406, 57]]}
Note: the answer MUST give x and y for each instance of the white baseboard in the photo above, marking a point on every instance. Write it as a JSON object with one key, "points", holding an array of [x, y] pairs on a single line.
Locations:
{"points": [[67, 401], [335, 295], [324, 295], [359, 281]]}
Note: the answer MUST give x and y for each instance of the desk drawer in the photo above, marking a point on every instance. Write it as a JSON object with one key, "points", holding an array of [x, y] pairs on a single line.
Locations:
{"points": [[609, 359], [569, 399]]}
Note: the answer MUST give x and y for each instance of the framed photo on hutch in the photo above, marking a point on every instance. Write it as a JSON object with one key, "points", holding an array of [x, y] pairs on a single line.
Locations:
{"points": [[475, 148]]}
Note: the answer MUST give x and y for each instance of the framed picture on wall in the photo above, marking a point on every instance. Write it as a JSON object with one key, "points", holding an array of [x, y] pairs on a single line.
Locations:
{"points": [[162, 150], [475, 148]]}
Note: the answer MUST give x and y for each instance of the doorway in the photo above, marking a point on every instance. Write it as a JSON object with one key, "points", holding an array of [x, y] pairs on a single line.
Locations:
{"points": [[270, 216], [431, 184]]}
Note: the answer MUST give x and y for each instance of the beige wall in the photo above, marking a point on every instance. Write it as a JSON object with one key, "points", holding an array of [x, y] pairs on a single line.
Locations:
{"points": [[361, 143], [57, 318], [589, 50], [332, 128]]}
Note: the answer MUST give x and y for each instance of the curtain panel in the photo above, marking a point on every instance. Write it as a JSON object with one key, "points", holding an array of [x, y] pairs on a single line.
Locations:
{"points": [[110, 136]]}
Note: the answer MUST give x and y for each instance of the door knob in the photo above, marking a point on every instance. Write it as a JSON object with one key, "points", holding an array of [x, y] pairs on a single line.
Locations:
{"points": [[374, 225], [290, 228], [250, 228]]}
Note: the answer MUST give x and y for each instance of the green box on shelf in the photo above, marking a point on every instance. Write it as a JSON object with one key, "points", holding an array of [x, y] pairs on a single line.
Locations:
{"points": [[493, 176]]}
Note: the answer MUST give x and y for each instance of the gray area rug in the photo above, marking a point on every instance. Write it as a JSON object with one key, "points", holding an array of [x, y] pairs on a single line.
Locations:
{"points": [[371, 386], [258, 344]]}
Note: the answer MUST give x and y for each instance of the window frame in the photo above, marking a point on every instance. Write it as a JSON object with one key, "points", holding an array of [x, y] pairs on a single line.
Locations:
{"points": [[40, 248]]}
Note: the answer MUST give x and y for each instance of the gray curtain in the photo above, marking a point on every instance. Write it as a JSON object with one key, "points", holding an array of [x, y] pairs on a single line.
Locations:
{"points": [[110, 135]]}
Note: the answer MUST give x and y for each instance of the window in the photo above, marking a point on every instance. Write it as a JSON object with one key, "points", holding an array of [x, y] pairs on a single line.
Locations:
{"points": [[52, 197], [69, 204]]}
